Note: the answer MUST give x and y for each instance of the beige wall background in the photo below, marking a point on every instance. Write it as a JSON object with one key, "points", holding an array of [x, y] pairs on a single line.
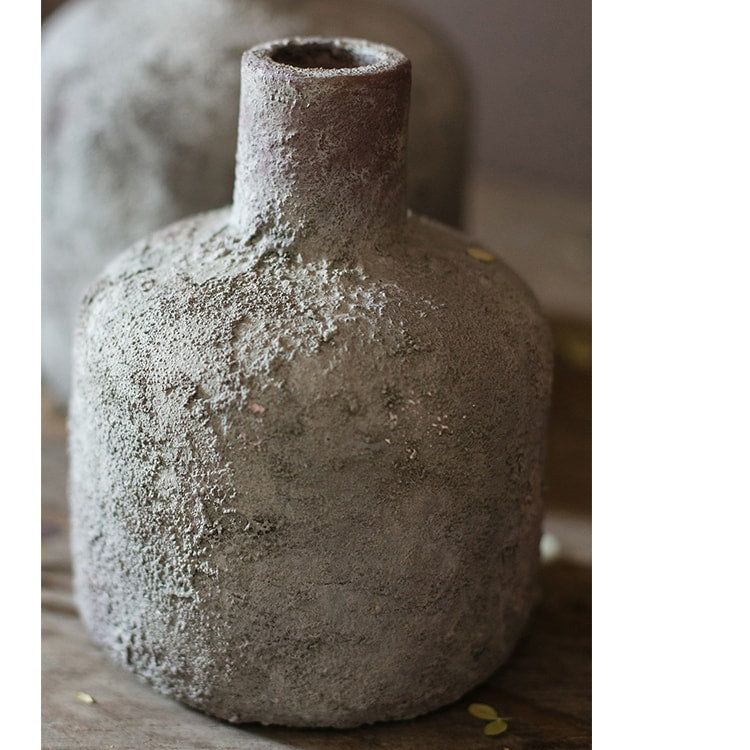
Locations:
{"points": [[529, 65]]}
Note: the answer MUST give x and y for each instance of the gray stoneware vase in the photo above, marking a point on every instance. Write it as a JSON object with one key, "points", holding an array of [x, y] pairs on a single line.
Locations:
{"points": [[139, 125], [306, 431]]}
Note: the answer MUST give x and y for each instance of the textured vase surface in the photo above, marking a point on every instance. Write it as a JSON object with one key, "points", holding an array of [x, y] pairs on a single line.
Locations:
{"points": [[307, 431], [139, 111]]}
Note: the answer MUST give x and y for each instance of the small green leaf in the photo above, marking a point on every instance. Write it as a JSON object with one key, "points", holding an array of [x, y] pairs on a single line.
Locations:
{"points": [[498, 726], [482, 711]]}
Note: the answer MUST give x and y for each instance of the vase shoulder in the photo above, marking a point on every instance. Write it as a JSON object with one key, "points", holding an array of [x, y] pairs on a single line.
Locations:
{"points": [[434, 287]]}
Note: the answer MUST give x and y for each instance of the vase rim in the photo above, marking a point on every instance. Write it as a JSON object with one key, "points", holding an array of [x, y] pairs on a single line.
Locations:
{"points": [[316, 57]]}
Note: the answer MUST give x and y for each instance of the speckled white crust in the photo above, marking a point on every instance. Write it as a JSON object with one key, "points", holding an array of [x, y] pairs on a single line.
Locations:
{"points": [[306, 471], [139, 110]]}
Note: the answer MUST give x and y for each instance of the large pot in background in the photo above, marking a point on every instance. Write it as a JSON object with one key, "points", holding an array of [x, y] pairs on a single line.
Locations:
{"points": [[139, 109], [307, 431]]}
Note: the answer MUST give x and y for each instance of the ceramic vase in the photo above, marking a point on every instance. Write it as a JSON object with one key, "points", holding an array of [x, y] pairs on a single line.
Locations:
{"points": [[307, 431]]}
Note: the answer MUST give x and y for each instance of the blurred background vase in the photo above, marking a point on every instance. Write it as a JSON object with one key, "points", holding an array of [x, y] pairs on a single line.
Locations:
{"points": [[139, 113]]}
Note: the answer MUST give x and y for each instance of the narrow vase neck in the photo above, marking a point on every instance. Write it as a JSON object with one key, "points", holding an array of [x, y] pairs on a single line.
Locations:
{"points": [[321, 154]]}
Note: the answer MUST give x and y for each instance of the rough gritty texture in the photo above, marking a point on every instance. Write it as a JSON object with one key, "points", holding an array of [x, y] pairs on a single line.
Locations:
{"points": [[305, 471], [347, 126], [139, 109]]}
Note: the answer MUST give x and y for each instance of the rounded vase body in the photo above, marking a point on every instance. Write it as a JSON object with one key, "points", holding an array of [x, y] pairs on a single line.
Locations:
{"points": [[307, 456], [139, 111]]}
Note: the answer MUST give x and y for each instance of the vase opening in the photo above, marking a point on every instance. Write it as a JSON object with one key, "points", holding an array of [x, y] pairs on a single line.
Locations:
{"points": [[328, 55]]}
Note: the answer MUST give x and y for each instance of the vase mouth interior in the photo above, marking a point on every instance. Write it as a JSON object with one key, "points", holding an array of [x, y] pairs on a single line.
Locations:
{"points": [[322, 55], [326, 57]]}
